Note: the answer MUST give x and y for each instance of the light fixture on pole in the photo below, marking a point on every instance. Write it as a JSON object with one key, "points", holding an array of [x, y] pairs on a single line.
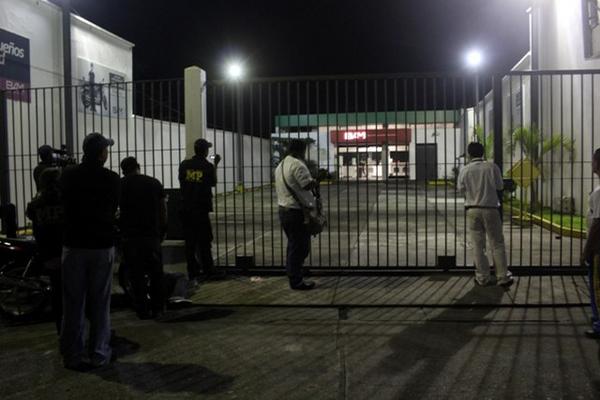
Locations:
{"points": [[235, 72], [474, 60]]}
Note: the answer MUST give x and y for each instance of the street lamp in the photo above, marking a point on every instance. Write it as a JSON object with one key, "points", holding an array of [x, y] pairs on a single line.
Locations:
{"points": [[474, 60], [235, 72]]}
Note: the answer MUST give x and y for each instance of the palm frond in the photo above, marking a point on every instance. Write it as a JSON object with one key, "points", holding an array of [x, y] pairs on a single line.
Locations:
{"points": [[557, 142], [528, 140]]}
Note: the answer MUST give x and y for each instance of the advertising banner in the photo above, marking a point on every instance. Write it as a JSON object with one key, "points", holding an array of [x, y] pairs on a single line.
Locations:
{"points": [[15, 72], [102, 90]]}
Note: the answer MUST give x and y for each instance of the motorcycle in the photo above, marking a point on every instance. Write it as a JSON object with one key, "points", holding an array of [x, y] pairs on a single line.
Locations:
{"points": [[24, 288]]}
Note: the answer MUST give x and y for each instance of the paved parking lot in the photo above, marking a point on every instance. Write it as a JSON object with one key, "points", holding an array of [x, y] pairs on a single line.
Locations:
{"points": [[373, 225]]}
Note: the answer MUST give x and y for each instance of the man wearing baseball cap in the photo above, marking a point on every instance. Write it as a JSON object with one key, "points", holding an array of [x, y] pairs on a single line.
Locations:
{"points": [[91, 197], [197, 177]]}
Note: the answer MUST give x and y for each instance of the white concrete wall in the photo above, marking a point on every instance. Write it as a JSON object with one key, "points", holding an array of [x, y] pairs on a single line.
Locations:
{"points": [[256, 158], [569, 105], [560, 30]]}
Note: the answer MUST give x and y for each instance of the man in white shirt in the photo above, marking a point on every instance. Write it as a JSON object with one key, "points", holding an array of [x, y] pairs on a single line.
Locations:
{"points": [[481, 181], [292, 174], [591, 251]]}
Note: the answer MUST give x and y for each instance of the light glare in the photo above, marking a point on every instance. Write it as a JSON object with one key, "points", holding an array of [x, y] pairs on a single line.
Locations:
{"points": [[474, 58], [235, 71]]}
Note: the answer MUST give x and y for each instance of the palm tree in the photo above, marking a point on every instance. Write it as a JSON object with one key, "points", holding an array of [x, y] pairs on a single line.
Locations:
{"points": [[534, 147]]}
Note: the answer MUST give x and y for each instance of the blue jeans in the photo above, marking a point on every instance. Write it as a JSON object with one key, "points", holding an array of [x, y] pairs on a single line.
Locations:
{"points": [[298, 245], [87, 281], [594, 282]]}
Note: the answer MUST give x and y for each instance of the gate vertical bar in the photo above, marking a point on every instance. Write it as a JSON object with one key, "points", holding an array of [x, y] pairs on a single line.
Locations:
{"points": [[4, 154], [497, 123], [68, 82]]}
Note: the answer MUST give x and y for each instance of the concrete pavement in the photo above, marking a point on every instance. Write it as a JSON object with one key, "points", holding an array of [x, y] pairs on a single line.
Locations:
{"points": [[352, 338]]}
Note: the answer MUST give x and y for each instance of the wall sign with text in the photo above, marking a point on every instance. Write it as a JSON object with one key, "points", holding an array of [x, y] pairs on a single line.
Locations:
{"points": [[15, 72]]}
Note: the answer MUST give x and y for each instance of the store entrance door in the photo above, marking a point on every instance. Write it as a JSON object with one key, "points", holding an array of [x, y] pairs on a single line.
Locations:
{"points": [[426, 161]]}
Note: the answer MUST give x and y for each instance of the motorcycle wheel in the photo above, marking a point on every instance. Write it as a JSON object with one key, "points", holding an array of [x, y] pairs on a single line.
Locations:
{"points": [[20, 296]]}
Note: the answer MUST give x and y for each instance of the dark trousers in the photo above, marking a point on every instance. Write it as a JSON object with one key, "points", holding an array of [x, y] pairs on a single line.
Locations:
{"points": [[198, 244], [87, 281], [143, 258], [53, 270], [298, 246], [594, 282]]}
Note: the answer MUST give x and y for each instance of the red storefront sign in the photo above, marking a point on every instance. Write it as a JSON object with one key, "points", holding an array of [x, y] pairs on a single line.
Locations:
{"points": [[355, 137]]}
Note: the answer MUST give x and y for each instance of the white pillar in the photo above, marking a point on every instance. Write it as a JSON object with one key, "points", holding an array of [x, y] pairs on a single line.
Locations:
{"points": [[195, 107]]}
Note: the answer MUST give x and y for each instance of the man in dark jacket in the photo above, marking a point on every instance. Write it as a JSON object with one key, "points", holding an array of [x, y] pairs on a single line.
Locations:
{"points": [[143, 223], [91, 197], [46, 213], [197, 177], [46, 154]]}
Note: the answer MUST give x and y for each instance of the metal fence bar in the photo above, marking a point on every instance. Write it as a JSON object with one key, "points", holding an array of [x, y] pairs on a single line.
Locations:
{"points": [[356, 125]]}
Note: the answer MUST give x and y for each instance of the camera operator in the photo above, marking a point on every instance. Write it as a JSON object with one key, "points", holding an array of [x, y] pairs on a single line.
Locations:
{"points": [[51, 158], [46, 154]]}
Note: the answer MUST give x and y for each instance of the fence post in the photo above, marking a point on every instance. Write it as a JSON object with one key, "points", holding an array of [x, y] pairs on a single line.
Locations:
{"points": [[195, 107], [498, 134], [4, 164], [68, 79], [7, 212]]}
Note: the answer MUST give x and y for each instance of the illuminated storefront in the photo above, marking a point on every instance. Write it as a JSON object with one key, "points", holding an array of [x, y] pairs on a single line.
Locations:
{"points": [[372, 153], [415, 145]]}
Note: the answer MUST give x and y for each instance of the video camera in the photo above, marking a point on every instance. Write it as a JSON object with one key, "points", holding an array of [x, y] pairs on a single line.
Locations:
{"points": [[59, 157]]}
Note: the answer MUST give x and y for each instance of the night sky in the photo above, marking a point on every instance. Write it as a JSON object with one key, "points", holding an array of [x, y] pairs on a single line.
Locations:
{"points": [[313, 37]]}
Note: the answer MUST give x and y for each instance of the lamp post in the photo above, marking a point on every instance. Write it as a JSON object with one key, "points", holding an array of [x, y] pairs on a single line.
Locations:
{"points": [[235, 72], [474, 60]]}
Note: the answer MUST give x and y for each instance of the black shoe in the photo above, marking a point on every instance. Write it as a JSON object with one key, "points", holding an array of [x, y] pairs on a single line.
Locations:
{"points": [[80, 366], [592, 334], [145, 315], [215, 276], [304, 285]]}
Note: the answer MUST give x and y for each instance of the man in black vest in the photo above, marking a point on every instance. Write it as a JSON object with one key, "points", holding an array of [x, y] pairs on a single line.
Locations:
{"points": [[197, 177]]}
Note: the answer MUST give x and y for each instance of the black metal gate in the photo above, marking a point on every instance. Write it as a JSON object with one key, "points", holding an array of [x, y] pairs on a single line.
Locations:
{"points": [[386, 149]]}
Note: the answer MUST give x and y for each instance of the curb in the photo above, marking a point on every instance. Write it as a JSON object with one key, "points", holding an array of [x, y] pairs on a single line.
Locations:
{"points": [[551, 226]]}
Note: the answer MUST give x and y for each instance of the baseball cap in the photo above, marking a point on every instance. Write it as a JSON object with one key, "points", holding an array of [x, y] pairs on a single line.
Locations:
{"points": [[202, 144], [94, 143]]}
